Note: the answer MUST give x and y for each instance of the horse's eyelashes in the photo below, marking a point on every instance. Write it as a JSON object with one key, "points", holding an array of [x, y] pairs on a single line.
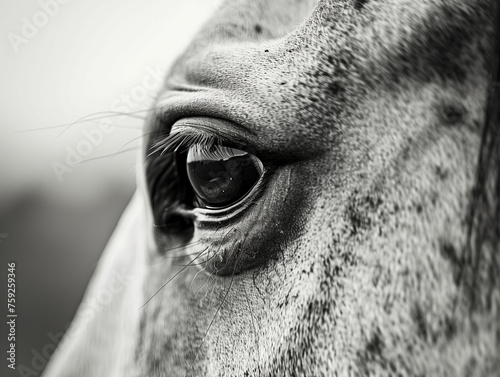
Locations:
{"points": [[181, 141]]}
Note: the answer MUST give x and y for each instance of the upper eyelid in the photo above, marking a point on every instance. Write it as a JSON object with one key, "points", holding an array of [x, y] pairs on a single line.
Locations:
{"points": [[182, 140], [189, 131]]}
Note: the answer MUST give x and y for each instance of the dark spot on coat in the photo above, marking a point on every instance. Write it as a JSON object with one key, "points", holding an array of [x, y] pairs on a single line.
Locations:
{"points": [[357, 218], [335, 88], [373, 354], [450, 114], [449, 253], [437, 49], [417, 314], [441, 173], [360, 211], [360, 4], [405, 153], [266, 50], [257, 28], [471, 367], [376, 345], [450, 327]]}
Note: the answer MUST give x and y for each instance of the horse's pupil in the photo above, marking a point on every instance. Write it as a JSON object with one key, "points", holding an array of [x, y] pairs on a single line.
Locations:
{"points": [[220, 176]]}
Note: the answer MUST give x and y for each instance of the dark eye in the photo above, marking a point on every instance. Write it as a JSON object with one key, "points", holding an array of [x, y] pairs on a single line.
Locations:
{"points": [[220, 176]]}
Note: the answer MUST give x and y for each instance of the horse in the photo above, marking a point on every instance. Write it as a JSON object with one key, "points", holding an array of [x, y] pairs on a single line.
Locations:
{"points": [[318, 195]]}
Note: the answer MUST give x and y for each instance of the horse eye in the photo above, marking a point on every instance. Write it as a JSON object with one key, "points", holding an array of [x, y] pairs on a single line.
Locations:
{"points": [[220, 176]]}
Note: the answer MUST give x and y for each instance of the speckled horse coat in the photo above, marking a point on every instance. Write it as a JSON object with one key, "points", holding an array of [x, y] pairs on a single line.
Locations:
{"points": [[348, 261]]}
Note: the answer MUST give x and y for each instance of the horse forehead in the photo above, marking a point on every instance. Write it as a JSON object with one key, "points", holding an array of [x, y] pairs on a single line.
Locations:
{"points": [[256, 66], [295, 65], [242, 31]]}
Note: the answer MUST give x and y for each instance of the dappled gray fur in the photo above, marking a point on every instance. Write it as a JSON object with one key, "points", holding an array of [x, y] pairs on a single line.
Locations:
{"points": [[371, 115]]}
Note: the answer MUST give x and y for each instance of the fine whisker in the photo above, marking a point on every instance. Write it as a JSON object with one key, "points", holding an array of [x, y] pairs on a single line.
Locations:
{"points": [[219, 308], [114, 113], [200, 263], [135, 139], [178, 256], [84, 119], [209, 281], [189, 244], [210, 325], [194, 278], [168, 281]]}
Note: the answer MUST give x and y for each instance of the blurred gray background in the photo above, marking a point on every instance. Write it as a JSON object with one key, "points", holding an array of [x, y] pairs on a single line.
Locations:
{"points": [[61, 62]]}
